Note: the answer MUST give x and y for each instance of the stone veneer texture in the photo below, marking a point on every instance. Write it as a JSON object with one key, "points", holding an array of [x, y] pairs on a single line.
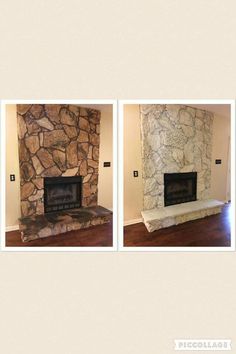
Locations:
{"points": [[175, 138], [56, 140]]}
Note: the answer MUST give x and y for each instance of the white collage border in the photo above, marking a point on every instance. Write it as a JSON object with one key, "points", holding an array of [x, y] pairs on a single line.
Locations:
{"points": [[118, 182]]}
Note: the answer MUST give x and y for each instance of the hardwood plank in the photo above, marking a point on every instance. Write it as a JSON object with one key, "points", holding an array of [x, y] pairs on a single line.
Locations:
{"points": [[95, 236], [212, 231]]}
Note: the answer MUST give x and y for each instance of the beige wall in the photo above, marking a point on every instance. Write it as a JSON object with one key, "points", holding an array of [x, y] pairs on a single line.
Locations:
{"points": [[133, 199], [105, 173], [12, 164], [132, 161], [12, 167], [220, 150]]}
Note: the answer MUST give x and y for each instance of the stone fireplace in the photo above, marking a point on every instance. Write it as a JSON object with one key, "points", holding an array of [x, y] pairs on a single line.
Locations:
{"points": [[56, 141], [175, 139], [59, 158], [176, 145]]}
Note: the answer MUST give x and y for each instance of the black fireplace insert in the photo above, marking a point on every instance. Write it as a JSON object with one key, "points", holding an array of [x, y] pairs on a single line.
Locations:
{"points": [[180, 187], [61, 193]]}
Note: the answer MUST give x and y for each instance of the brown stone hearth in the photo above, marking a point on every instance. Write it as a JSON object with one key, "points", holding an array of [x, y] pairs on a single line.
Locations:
{"points": [[52, 224], [56, 140]]}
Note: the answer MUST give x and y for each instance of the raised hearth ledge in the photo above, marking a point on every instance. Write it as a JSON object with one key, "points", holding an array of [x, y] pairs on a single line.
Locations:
{"points": [[52, 224], [160, 218]]}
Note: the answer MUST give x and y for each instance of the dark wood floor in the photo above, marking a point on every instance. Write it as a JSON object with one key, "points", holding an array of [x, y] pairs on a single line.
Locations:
{"points": [[95, 236], [212, 231]]}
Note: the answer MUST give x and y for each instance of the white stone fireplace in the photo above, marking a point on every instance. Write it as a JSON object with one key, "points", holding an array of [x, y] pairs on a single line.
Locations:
{"points": [[175, 139]]}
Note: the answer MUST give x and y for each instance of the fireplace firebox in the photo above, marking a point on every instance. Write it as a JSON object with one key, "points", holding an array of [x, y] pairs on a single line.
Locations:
{"points": [[62, 193], [180, 187]]}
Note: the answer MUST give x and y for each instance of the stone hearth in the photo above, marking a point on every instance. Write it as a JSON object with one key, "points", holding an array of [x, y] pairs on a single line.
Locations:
{"points": [[52, 224], [160, 218]]}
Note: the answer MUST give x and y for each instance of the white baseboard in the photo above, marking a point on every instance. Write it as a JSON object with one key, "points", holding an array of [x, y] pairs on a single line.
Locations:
{"points": [[132, 222], [12, 228]]}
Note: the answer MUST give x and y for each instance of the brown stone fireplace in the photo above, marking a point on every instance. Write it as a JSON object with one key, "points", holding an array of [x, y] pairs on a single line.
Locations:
{"points": [[59, 159]]}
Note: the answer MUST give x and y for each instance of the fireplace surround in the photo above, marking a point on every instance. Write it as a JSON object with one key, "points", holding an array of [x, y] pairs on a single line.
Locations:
{"points": [[57, 141], [180, 188], [174, 139]]}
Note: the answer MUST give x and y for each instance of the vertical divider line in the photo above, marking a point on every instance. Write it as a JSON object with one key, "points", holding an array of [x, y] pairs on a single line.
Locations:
{"points": [[120, 175], [115, 176]]}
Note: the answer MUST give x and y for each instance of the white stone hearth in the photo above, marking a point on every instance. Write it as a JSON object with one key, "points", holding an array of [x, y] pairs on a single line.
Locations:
{"points": [[160, 218]]}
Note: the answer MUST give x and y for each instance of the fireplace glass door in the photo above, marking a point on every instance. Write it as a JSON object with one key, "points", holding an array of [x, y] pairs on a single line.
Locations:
{"points": [[180, 187], [61, 193]]}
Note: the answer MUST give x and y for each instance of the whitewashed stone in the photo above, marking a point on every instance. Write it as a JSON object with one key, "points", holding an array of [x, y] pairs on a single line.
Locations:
{"points": [[166, 155], [200, 185], [189, 152], [172, 167], [165, 122], [208, 151], [192, 111], [201, 174], [206, 161], [149, 202], [198, 123], [153, 122], [201, 146], [172, 112], [159, 178], [198, 164], [187, 168], [157, 191], [157, 162], [149, 168], [174, 139], [178, 156], [207, 137], [149, 185], [153, 142], [155, 219], [185, 117], [146, 108], [188, 131], [198, 136], [200, 113]]}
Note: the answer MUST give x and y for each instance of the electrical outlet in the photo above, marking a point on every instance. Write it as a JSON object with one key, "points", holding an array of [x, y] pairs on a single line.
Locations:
{"points": [[135, 173], [12, 178]]}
